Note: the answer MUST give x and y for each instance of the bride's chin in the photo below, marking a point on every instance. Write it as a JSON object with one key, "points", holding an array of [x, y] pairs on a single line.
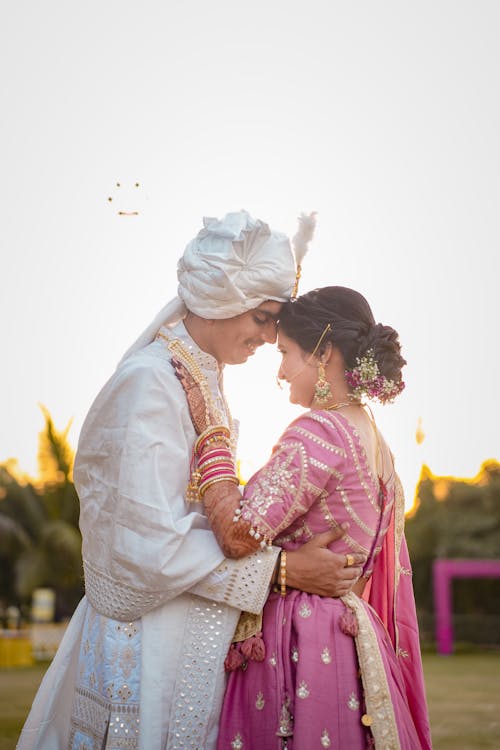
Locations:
{"points": [[294, 400]]}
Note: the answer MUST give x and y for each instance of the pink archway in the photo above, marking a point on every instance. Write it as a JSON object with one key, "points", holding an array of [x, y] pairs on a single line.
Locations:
{"points": [[443, 572]]}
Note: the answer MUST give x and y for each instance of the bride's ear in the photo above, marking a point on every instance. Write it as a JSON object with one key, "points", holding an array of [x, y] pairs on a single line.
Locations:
{"points": [[327, 352]]}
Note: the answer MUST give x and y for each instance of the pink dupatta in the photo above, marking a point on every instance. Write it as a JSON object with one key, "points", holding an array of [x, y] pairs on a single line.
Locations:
{"points": [[390, 592]]}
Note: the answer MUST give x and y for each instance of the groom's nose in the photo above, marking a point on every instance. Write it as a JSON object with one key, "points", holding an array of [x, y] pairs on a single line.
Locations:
{"points": [[270, 332]]}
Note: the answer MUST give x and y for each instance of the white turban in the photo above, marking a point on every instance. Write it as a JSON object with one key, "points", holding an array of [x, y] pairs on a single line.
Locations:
{"points": [[231, 266]]}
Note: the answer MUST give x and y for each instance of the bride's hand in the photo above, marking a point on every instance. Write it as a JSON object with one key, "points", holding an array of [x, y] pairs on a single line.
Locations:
{"points": [[198, 408]]}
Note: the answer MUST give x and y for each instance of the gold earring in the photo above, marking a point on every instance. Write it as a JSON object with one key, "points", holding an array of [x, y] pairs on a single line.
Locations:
{"points": [[322, 392]]}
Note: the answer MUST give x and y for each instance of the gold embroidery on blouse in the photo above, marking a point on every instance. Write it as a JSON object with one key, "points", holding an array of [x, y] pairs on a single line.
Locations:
{"points": [[303, 532], [354, 516], [272, 483], [316, 416], [355, 450], [319, 441], [320, 465], [274, 480]]}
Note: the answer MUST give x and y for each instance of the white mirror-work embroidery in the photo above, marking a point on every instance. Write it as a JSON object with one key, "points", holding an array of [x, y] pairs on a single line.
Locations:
{"points": [[259, 701], [305, 610], [274, 482], [272, 660], [303, 690], [237, 743], [353, 702], [285, 728], [295, 655], [325, 739], [325, 655]]}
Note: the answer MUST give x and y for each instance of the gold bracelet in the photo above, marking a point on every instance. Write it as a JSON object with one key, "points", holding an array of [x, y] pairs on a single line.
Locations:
{"points": [[283, 572], [218, 431], [210, 482]]}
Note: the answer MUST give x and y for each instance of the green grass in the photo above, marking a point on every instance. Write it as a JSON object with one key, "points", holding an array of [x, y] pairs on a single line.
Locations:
{"points": [[18, 686], [463, 693]]}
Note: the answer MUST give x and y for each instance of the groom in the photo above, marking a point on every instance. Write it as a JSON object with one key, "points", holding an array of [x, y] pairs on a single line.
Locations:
{"points": [[141, 665]]}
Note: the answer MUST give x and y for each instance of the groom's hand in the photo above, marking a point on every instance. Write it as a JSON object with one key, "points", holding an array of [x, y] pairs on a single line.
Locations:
{"points": [[313, 568]]}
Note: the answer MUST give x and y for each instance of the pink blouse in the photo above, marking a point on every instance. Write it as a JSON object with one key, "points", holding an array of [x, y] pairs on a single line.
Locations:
{"points": [[318, 477]]}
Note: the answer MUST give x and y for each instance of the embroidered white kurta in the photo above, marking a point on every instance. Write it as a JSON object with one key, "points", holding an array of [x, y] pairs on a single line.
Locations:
{"points": [[141, 664]]}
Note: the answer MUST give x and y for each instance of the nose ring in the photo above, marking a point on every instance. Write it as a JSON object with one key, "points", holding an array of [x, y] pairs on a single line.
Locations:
{"points": [[278, 383]]}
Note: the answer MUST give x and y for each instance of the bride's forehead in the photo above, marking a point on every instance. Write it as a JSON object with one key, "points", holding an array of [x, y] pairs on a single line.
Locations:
{"points": [[283, 338]]}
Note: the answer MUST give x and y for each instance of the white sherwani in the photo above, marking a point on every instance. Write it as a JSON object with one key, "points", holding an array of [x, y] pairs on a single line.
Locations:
{"points": [[141, 664]]}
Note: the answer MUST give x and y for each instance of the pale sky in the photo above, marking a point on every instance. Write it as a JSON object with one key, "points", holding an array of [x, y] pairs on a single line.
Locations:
{"points": [[384, 117]]}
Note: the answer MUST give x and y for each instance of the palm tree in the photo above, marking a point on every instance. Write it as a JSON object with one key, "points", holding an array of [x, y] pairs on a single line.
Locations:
{"points": [[40, 543]]}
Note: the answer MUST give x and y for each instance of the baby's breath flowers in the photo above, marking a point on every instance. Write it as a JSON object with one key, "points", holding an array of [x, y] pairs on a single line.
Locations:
{"points": [[365, 380]]}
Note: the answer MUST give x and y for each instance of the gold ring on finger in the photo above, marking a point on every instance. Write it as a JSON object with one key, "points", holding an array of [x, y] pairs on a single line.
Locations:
{"points": [[349, 561]]}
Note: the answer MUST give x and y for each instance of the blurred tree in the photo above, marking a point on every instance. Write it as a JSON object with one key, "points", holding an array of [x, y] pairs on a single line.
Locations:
{"points": [[40, 542], [456, 518]]}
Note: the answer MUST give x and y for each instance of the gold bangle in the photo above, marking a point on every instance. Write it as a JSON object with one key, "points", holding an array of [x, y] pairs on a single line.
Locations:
{"points": [[218, 430], [216, 439], [227, 478], [283, 572]]}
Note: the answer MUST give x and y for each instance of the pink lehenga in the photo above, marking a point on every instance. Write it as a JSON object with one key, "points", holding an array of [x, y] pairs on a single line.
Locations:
{"points": [[337, 673]]}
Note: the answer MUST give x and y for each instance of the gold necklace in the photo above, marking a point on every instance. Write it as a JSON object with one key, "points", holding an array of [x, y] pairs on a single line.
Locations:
{"points": [[333, 407], [179, 350]]}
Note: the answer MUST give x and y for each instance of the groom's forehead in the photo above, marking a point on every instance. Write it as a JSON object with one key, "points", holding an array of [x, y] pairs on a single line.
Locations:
{"points": [[270, 308]]}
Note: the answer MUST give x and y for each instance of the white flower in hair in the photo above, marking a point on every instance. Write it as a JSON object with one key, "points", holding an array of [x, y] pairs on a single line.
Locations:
{"points": [[300, 243]]}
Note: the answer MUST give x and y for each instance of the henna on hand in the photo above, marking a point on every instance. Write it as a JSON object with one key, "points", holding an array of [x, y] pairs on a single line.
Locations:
{"points": [[198, 408], [221, 501]]}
